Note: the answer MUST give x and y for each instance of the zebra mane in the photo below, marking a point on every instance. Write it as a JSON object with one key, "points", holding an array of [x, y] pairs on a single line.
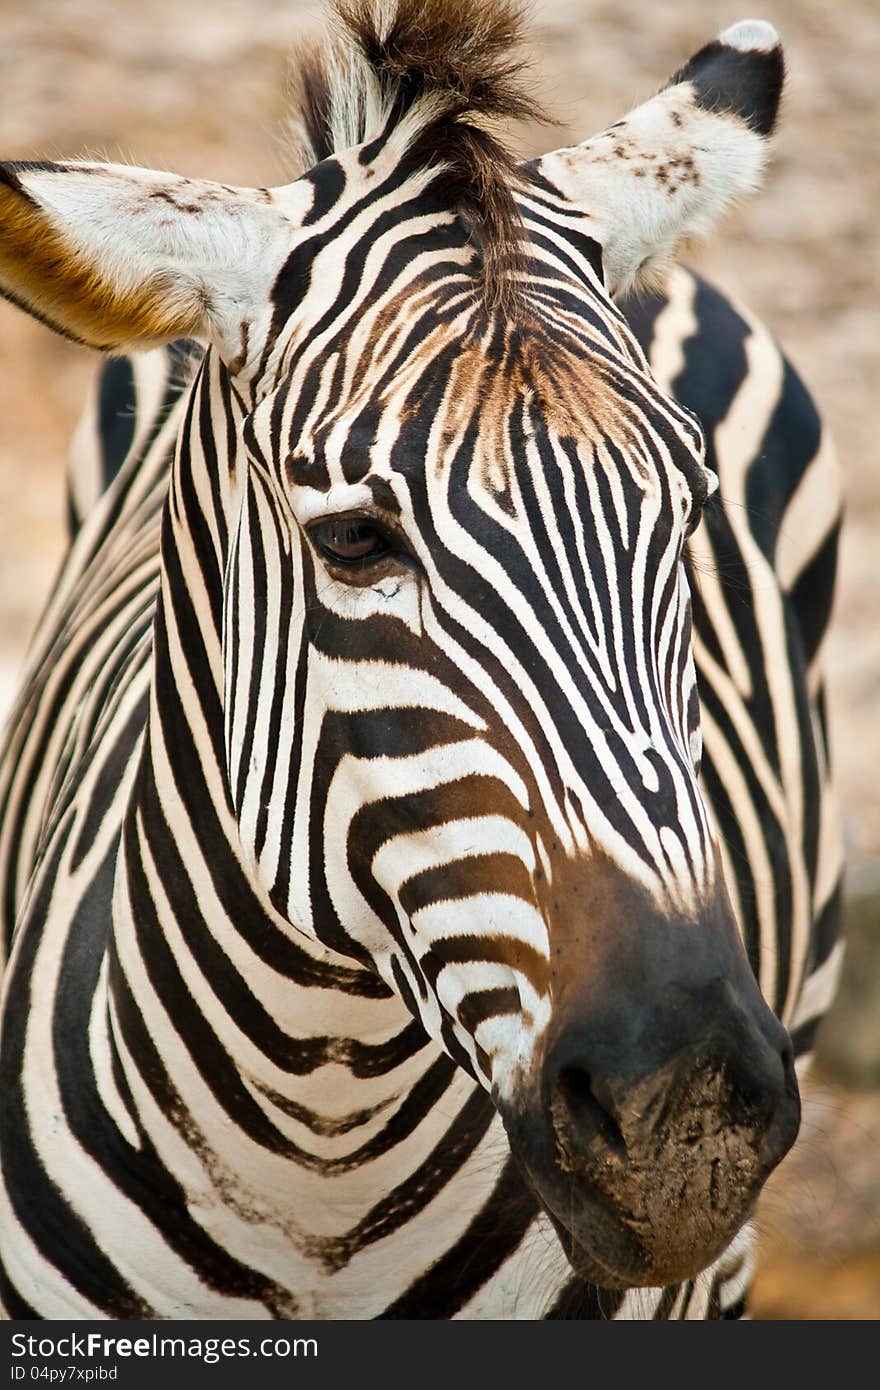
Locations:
{"points": [[434, 72]]}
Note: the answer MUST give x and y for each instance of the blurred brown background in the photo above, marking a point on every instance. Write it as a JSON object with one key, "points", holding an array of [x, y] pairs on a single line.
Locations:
{"points": [[199, 87]]}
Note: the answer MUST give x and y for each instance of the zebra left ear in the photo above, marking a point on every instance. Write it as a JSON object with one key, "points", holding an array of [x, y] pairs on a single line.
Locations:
{"points": [[672, 167], [123, 259]]}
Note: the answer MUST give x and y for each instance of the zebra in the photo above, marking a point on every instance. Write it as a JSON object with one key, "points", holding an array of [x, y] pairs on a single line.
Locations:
{"points": [[419, 858]]}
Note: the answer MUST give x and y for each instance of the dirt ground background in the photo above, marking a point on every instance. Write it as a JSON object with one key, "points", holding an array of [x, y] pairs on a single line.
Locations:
{"points": [[199, 88]]}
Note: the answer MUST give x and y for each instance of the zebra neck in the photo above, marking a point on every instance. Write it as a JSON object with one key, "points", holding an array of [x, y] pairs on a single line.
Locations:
{"points": [[264, 1072]]}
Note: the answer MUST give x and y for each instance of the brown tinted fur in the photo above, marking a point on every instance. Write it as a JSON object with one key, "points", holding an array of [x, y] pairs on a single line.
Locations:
{"points": [[41, 273], [465, 53]]}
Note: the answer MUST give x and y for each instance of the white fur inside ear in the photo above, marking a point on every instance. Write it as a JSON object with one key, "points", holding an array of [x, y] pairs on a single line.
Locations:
{"points": [[170, 256], [751, 36], [662, 176]]}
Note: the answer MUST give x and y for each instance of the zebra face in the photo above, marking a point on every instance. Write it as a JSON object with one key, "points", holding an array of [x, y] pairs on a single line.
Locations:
{"points": [[487, 734]]}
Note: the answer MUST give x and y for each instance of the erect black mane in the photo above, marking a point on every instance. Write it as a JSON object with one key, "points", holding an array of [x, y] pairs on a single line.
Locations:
{"points": [[460, 60]]}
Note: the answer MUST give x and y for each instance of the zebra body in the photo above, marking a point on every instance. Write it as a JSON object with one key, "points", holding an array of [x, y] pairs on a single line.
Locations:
{"points": [[236, 1083]]}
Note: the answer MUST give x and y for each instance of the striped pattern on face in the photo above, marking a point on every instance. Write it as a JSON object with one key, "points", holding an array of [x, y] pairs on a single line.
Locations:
{"points": [[510, 680]]}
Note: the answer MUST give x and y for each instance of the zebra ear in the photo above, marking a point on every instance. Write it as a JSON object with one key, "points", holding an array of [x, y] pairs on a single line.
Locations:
{"points": [[121, 258], [667, 172]]}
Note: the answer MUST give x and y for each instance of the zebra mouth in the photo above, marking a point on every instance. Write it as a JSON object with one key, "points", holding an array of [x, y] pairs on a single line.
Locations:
{"points": [[615, 1258], [635, 1239], [593, 1270]]}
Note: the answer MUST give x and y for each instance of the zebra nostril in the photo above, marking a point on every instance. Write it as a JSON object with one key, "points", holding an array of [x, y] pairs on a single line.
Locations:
{"points": [[579, 1117]]}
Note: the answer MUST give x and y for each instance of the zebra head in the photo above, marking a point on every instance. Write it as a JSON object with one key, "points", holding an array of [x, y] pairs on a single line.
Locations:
{"points": [[461, 731]]}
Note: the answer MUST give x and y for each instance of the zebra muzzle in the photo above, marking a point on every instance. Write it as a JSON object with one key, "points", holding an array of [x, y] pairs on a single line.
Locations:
{"points": [[649, 1132]]}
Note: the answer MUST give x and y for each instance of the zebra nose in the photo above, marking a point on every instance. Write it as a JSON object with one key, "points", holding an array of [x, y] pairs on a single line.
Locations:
{"points": [[664, 1091], [655, 1166]]}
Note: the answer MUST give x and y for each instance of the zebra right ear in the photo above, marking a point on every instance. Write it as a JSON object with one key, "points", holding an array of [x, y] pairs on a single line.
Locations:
{"points": [[122, 258], [667, 172]]}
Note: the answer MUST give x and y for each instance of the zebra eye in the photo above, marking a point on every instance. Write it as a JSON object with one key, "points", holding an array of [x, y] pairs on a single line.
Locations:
{"points": [[350, 540]]}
